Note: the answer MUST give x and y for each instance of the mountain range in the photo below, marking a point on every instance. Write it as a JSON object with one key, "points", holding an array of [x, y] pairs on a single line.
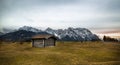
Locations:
{"points": [[69, 34]]}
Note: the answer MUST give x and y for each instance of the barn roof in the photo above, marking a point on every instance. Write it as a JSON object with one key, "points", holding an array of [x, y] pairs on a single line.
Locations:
{"points": [[43, 36]]}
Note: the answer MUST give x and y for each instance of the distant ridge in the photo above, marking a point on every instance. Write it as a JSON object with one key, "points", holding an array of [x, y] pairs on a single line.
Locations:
{"points": [[28, 28]]}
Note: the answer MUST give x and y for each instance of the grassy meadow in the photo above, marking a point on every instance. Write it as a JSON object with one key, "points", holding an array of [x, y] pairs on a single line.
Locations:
{"points": [[64, 53]]}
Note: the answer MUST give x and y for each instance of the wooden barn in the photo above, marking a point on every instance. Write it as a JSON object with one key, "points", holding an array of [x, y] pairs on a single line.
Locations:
{"points": [[43, 40]]}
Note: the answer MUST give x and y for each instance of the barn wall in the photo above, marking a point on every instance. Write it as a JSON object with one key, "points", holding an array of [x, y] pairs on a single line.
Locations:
{"points": [[49, 42], [38, 43]]}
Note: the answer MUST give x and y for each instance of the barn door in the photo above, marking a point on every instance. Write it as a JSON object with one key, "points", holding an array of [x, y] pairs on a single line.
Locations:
{"points": [[49, 42], [39, 43]]}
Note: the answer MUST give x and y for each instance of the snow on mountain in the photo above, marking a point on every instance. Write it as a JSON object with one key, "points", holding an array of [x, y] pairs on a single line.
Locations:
{"points": [[50, 30], [82, 34], [28, 28]]}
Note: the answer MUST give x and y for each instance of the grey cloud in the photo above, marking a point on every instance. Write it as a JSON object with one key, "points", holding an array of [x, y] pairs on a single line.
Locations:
{"points": [[99, 6], [36, 2], [112, 6], [7, 6]]}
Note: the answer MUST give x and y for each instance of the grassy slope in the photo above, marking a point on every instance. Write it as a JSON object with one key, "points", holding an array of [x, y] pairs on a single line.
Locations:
{"points": [[65, 53]]}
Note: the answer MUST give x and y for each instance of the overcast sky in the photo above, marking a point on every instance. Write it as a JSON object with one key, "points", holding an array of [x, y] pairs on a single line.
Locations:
{"points": [[91, 14]]}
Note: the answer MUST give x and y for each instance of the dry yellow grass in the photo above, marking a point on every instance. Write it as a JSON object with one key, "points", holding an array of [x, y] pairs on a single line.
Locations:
{"points": [[65, 53]]}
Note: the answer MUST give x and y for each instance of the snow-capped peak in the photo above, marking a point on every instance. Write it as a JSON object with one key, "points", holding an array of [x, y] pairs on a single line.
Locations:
{"points": [[28, 28], [73, 34]]}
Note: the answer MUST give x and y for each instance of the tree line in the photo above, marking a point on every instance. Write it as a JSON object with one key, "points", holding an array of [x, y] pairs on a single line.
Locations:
{"points": [[107, 38]]}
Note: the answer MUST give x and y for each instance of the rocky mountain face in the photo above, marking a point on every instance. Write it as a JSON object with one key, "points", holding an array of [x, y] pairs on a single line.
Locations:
{"points": [[20, 35], [73, 34], [70, 34]]}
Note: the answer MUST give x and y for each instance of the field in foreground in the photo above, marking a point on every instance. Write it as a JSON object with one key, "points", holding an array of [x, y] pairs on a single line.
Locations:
{"points": [[65, 53]]}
